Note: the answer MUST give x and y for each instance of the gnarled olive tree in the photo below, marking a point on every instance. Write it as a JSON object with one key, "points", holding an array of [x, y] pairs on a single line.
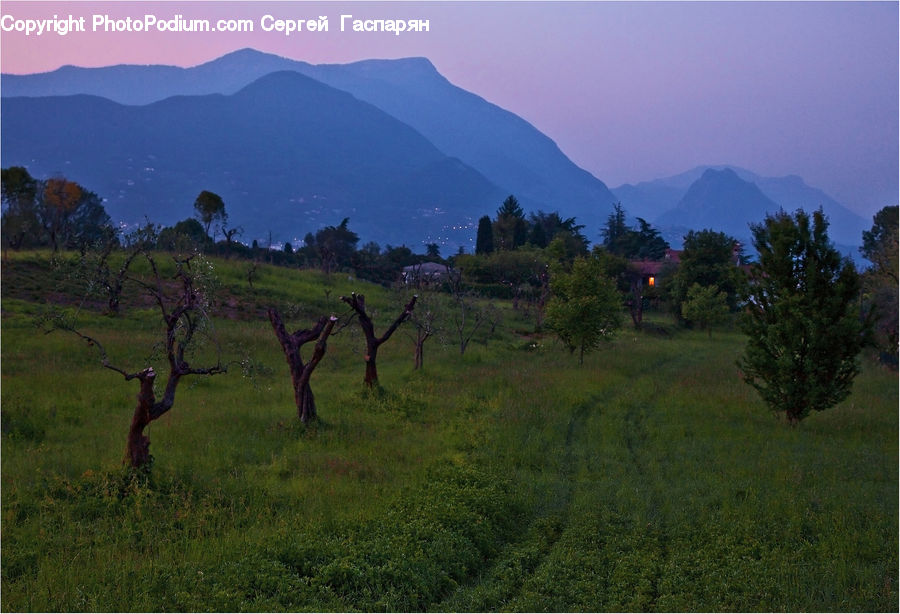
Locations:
{"points": [[300, 371], [183, 305]]}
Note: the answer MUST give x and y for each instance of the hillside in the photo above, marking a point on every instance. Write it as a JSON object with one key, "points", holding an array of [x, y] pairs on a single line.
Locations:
{"points": [[503, 147], [507, 478], [288, 155]]}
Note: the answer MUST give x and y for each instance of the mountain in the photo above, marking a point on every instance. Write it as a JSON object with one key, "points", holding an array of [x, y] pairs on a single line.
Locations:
{"points": [[143, 84], [722, 201], [660, 201], [287, 153], [507, 150]]}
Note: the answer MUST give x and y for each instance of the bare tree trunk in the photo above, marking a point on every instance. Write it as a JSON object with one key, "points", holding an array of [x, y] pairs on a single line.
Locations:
{"points": [[358, 303], [300, 372], [637, 303], [421, 338], [371, 379], [137, 449], [182, 317]]}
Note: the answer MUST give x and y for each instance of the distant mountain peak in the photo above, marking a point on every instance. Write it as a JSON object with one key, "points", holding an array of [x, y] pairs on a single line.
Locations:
{"points": [[504, 148], [721, 174]]}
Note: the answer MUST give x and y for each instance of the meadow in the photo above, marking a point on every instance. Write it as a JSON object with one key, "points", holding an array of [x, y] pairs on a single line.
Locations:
{"points": [[508, 478]]}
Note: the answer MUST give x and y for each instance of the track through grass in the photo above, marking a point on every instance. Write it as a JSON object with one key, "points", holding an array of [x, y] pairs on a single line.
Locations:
{"points": [[650, 479]]}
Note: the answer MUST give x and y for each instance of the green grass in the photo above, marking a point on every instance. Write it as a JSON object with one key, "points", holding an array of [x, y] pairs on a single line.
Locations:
{"points": [[649, 479]]}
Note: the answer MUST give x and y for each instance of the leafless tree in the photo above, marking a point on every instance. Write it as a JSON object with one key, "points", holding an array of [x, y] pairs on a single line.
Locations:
{"points": [[184, 311], [112, 279], [300, 371], [358, 303]]}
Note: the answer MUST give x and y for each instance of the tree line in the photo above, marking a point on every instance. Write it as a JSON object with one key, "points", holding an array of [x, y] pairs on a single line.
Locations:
{"points": [[805, 309]]}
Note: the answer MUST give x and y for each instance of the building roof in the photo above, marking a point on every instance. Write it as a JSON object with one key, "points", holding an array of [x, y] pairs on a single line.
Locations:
{"points": [[653, 267]]}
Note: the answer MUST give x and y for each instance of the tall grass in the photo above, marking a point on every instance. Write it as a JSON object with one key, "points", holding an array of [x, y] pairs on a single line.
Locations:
{"points": [[508, 478]]}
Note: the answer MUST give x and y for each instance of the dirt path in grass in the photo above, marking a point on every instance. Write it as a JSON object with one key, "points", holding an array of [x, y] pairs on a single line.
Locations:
{"points": [[576, 547]]}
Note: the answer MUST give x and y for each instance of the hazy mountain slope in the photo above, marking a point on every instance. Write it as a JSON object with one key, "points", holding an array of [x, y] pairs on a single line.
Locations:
{"points": [[506, 149], [502, 145], [287, 153], [722, 201], [136, 84], [652, 199]]}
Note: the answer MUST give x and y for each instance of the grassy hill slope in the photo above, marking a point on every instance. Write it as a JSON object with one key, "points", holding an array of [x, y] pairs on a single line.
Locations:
{"points": [[507, 478]]}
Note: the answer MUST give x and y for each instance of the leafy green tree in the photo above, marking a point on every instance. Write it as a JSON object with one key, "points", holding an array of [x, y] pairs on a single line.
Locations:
{"points": [[484, 240], [802, 317], [550, 228], [88, 224], [55, 212], [585, 307], [709, 259], [705, 307], [880, 281], [335, 246], [185, 236], [209, 207]]}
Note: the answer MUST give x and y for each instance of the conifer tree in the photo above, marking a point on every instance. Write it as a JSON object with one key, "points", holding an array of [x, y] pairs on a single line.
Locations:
{"points": [[484, 241], [802, 317]]}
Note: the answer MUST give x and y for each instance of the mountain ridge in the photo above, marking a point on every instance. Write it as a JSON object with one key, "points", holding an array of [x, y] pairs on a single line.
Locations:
{"points": [[656, 199], [286, 153], [502, 146]]}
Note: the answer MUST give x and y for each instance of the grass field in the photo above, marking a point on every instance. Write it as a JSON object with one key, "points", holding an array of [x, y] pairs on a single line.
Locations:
{"points": [[508, 478]]}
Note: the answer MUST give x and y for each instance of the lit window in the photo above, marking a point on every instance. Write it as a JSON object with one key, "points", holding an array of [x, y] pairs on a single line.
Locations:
{"points": [[651, 281]]}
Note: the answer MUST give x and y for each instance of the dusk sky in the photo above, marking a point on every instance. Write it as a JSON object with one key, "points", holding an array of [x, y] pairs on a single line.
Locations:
{"points": [[629, 91]]}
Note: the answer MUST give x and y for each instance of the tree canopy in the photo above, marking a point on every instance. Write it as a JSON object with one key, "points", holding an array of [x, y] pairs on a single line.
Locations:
{"points": [[585, 307], [641, 243], [55, 212], [709, 259], [209, 207], [802, 317]]}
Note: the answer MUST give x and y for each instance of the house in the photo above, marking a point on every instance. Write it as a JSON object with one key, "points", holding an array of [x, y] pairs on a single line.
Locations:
{"points": [[425, 273], [649, 269]]}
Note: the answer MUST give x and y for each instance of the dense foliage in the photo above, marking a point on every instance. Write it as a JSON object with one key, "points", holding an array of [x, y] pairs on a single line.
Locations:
{"points": [[880, 282], [53, 212], [641, 243], [802, 317], [585, 309], [709, 259], [705, 307]]}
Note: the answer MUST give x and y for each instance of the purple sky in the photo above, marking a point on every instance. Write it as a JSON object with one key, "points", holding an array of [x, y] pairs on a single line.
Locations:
{"points": [[629, 91]]}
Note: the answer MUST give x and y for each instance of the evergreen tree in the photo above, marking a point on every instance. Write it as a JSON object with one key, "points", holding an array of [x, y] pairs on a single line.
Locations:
{"points": [[615, 231], [648, 244], [510, 228], [802, 317], [484, 242]]}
